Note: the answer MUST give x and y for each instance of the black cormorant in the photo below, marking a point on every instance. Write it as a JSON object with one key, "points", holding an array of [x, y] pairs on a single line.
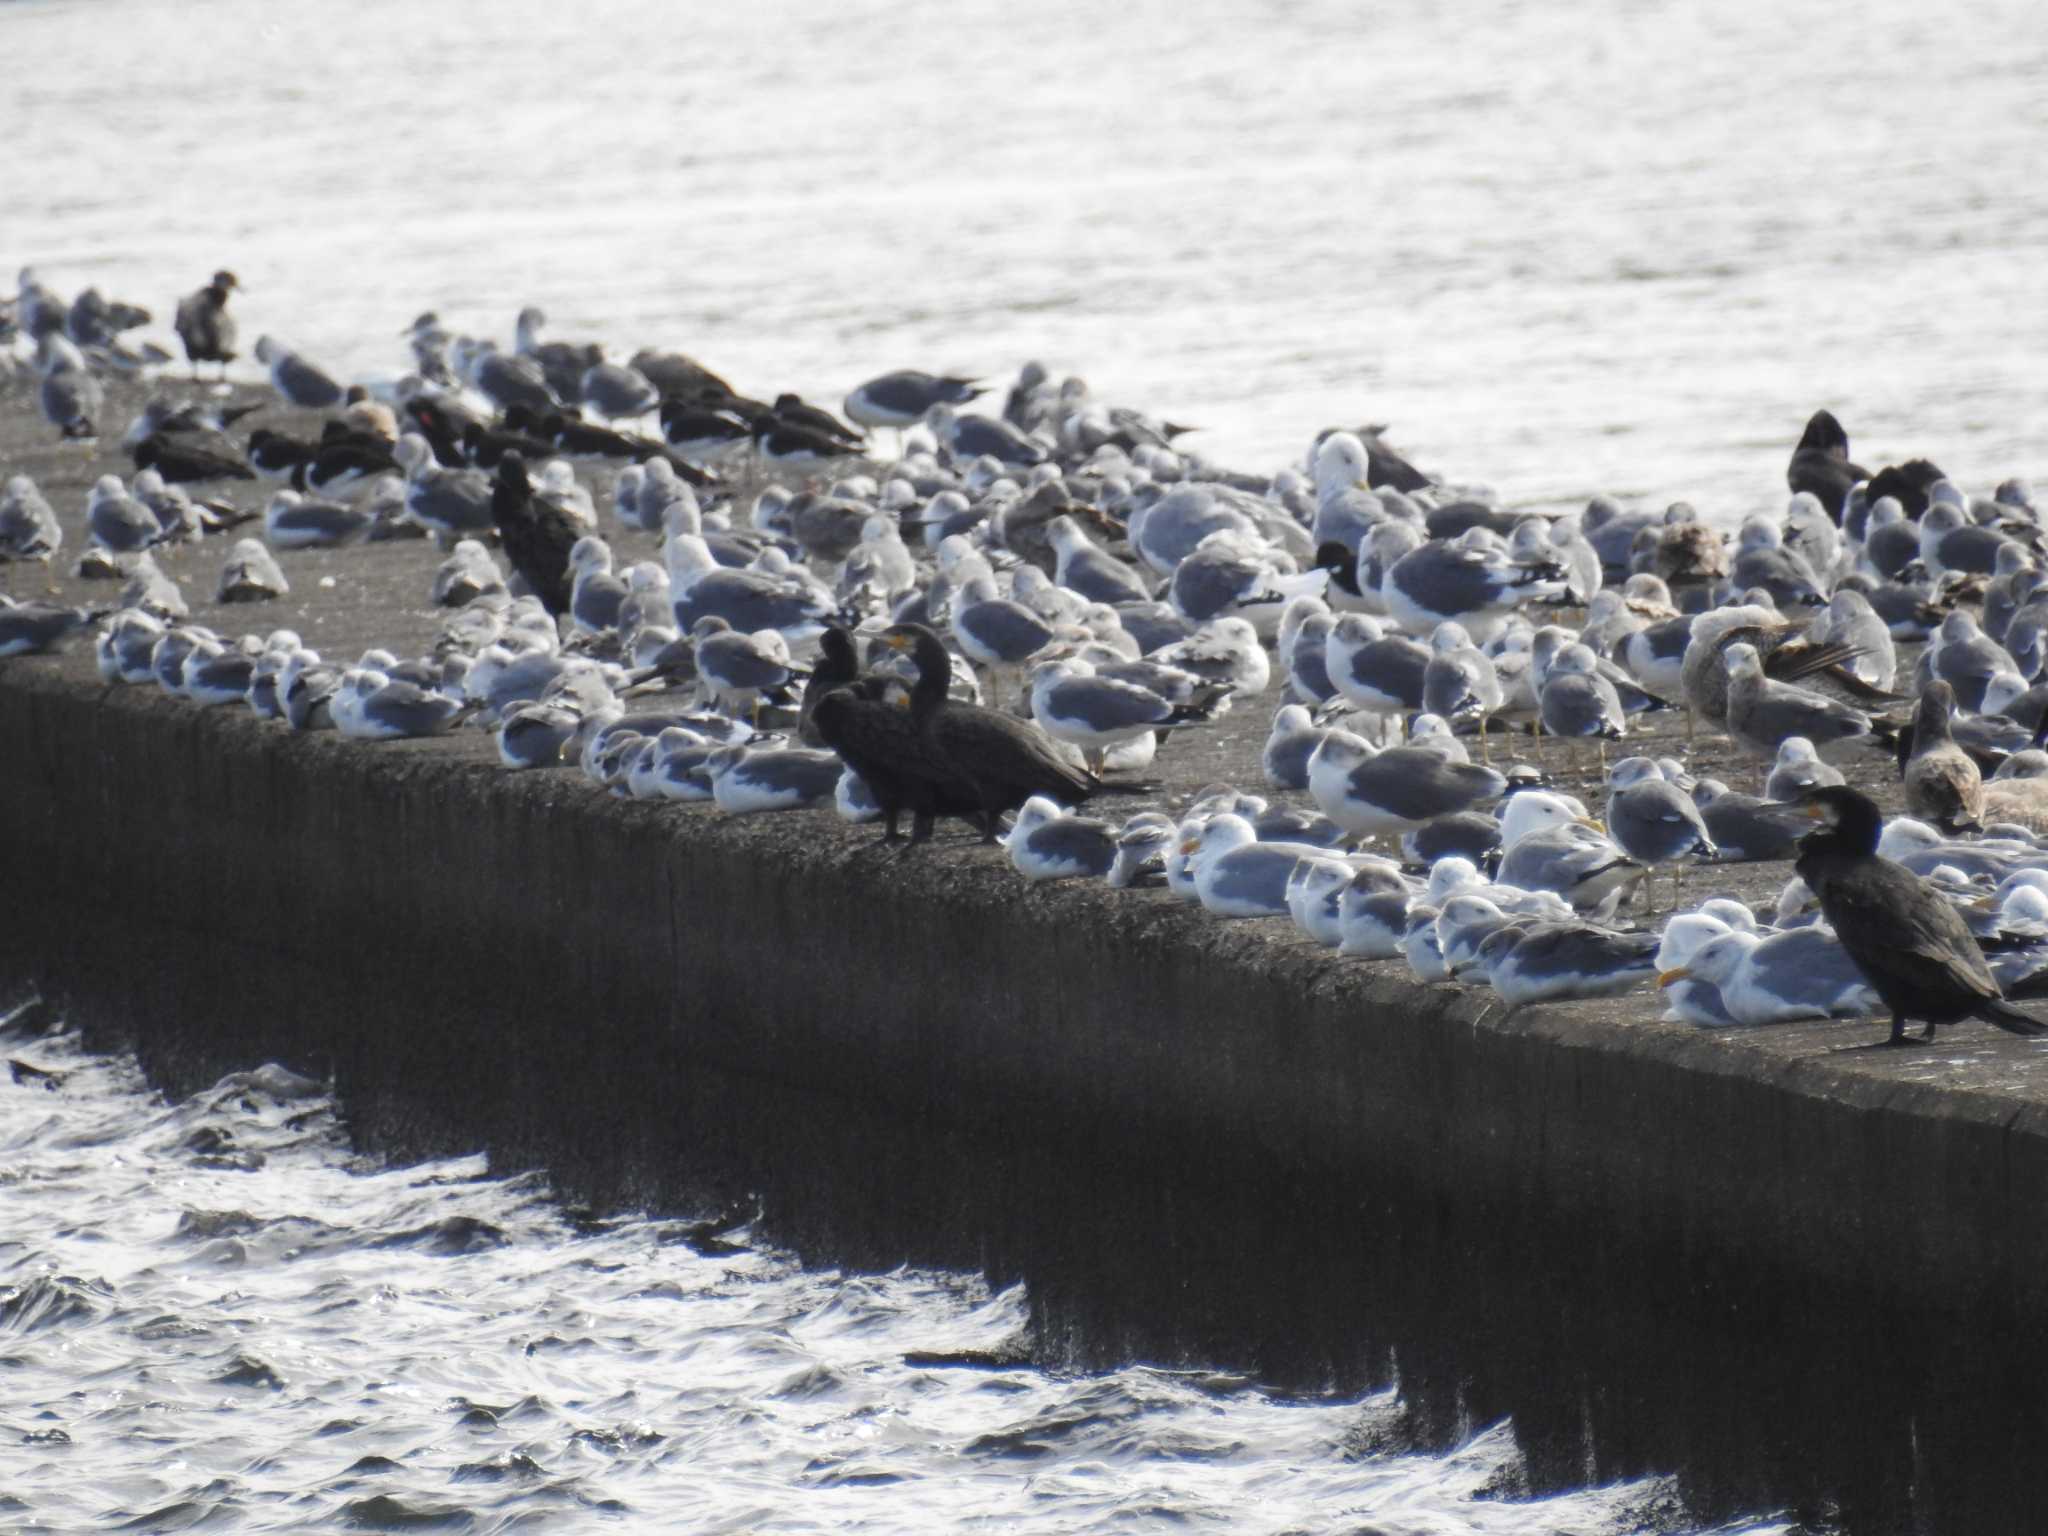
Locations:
{"points": [[537, 537], [1000, 760], [1909, 942], [1820, 464]]}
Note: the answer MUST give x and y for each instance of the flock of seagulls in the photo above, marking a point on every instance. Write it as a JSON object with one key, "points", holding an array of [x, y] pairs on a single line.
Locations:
{"points": [[690, 594]]}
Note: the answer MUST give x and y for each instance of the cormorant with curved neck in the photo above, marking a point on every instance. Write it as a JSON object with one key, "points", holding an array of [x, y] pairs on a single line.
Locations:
{"points": [[1911, 945], [882, 741], [1001, 761]]}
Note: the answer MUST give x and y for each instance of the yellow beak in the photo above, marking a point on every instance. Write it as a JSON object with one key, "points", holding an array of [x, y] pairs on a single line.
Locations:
{"points": [[1668, 978]]}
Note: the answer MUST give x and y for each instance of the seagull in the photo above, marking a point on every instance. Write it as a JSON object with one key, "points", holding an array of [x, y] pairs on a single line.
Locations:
{"points": [[904, 398], [117, 521], [250, 574], [29, 529], [34, 628], [617, 392], [446, 502], [69, 394], [1049, 843], [970, 437], [1553, 961], [746, 779], [1072, 704], [1651, 819], [298, 381], [1371, 792], [1467, 579], [1235, 874]]}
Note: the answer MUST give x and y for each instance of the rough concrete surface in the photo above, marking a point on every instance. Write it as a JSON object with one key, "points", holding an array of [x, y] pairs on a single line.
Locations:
{"points": [[1659, 1248]]}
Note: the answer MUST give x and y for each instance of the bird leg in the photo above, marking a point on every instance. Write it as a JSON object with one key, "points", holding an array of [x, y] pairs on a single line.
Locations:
{"points": [[1485, 746], [1898, 1035], [1929, 1035]]}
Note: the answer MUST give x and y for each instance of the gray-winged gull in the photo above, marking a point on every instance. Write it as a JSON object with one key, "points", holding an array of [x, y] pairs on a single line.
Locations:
{"points": [[1236, 875], [29, 529], [1072, 704], [1549, 847], [1083, 566], [1775, 978], [32, 628], [373, 706], [618, 392], [905, 397], [1315, 894], [1762, 712], [1467, 579], [750, 601], [1374, 671], [1798, 768], [745, 779], [1048, 843], [1459, 681], [117, 521], [1294, 736], [250, 574], [1554, 961], [1651, 820], [1372, 792], [299, 381]]}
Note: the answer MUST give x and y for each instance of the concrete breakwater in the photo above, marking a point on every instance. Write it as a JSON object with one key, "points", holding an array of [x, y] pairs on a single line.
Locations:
{"points": [[1659, 1249]]}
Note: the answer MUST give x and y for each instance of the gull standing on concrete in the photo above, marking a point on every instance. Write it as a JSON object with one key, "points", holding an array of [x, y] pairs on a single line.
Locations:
{"points": [[1459, 681], [1578, 704], [1071, 704], [1653, 821], [29, 529], [69, 394]]}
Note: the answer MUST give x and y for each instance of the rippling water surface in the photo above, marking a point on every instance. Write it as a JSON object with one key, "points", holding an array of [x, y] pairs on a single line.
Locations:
{"points": [[214, 1318], [1627, 245]]}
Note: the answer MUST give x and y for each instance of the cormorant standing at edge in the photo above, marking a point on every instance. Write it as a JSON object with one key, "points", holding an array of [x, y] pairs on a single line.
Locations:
{"points": [[1910, 944], [537, 537], [882, 741], [999, 759]]}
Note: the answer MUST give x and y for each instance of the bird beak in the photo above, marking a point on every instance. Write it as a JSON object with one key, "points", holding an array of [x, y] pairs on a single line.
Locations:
{"points": [[1669, 978], [1816, 812], [1190, 845], [1588, 821]]}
